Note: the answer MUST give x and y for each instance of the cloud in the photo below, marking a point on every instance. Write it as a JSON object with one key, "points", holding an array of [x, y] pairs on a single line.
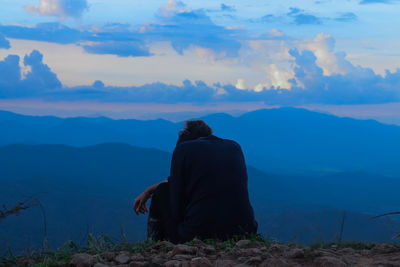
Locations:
{"points": [[183, 27], [10, 75], [114, 39], [309, 85], [323, 48], [121, 49], [62, 9], [359, 85], [4, 43], [266, 18], [346, 17], [47, 32], [227, 8], [40, 75], [294, 11], [37, 80], [295, 15], [240, 84], [275, 33], [173, 7], [301, 18], [366, 2]]}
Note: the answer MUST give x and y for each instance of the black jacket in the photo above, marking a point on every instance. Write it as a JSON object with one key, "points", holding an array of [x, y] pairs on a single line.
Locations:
{"points": [[208, 190]]}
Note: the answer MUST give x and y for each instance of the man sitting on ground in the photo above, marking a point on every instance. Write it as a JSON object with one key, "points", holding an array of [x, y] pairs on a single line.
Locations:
{"points": [[206, 194]]}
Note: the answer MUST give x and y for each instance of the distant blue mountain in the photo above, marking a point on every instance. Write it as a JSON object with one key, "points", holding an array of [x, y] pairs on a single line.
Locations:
{"points": [[91, 189], [283, 140]]}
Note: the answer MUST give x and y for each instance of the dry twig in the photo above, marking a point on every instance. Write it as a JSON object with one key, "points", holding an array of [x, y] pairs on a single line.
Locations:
{"points": [[17, 208]]}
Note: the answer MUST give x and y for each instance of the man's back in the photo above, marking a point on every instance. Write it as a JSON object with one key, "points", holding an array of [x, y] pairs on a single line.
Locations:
{"points": [[208, 189]]}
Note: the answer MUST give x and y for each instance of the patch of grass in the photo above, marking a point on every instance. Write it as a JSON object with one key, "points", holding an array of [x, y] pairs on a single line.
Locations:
{"points": [[100, 244], [94, 245], [141, 247]]}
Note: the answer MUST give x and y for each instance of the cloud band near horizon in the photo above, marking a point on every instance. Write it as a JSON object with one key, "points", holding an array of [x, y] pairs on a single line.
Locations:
{"points": [[309, 86]]}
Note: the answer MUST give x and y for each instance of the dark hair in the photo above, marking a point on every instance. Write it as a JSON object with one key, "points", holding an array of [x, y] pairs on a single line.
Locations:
{"points": [[194, 130]]}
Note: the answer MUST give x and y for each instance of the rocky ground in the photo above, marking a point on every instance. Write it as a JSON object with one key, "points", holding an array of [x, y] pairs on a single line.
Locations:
{"points": [[241, 253]]}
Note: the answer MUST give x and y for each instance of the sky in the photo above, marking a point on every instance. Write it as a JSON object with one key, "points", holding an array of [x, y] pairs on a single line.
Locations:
{"points": [[148, 59]]}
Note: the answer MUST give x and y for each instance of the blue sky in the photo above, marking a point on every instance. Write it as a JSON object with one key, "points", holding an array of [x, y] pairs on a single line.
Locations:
{"points": [[171, 56]]}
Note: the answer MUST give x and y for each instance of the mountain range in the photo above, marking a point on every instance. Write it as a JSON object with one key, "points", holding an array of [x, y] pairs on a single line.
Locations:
{"points": [[283, 140], [91, 189]]}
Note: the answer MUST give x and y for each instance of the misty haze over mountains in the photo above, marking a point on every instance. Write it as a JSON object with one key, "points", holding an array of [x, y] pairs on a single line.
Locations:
{"points": [[284, 140], [305, 169]]}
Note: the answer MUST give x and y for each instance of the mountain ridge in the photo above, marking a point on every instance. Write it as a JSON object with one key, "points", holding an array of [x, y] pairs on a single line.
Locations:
{"points": [[282, 140], [97, 185]]}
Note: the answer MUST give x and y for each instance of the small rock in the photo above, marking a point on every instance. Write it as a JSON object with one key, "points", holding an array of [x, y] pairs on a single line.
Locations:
{"points": [[249, 252], [122, 258], [325, 253], [364, 252], [213, 257], [329, 262], [108, 255], [243, 243], [254, 260], [208, 249], [101, 265], [183, 257], [137, 257], [256, 244], [274, 262], [184, 249], [82, 260], [347, 251], [278, 249], [384, 249], [200, 262], [138, 264], [198, 242], [242, 259], [201, 254], [295, 253], [225, 263], [173, 263], [157, 261]]}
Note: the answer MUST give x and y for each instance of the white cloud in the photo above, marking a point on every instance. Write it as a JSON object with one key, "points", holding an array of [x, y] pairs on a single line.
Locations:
{"points": [[240, 84], [59, 8], [172, 7], [323, 48], [278, 77], [275, 33], [260, 87]]}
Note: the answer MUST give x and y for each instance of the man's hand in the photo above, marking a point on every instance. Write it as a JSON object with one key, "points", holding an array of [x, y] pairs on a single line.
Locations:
{"points": [[140, 202]]}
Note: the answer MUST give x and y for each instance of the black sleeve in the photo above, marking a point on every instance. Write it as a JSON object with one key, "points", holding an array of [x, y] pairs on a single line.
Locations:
{"points": [[176, 183]]}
